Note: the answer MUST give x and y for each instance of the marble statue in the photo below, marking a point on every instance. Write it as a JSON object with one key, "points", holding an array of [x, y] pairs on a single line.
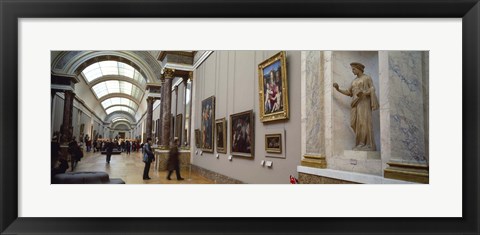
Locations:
{"points": [[364, 101]]}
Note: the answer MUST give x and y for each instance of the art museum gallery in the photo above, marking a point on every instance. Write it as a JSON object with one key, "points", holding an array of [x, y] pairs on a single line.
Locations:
{"points": [[240, 117]]}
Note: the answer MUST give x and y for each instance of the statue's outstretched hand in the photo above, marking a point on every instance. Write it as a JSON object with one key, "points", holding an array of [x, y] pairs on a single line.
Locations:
{"points": [[335, 85]]}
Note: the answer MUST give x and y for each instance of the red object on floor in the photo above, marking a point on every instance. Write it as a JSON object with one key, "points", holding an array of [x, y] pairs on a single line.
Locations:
{"points": [[293, 180]]}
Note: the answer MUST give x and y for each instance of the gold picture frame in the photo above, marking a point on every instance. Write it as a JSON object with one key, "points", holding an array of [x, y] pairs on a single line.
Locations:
{"points": [[178, 127], [207, 126], [273, 143], [221, 135], [273, 88], [198, 140], [242, 136]]}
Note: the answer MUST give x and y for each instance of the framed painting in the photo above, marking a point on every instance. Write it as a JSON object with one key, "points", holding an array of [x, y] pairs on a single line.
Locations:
{"points": [[273, 88], [198, 140], [178, 127], [207, 124], [13, 217], [242, 136], [80, 136], [273, 143], [221, 135]]}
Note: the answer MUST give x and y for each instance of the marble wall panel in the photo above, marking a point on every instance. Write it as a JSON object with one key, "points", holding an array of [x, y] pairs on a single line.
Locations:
{"points": [[425, 85], [314, 103], [406, 103], [327, 88], [384, 107]]}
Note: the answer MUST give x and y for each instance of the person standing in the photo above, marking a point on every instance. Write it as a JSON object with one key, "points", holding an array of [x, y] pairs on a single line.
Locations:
{"points": [[173, 162], [94, 145], [364, 101], [74, 150], [109, 148], [128, 146], [148, 157]]}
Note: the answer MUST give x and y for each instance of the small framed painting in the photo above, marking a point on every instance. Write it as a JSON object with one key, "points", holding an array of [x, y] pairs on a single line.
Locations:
{"points": [[273, 143], [198, 140], [221, 135]]}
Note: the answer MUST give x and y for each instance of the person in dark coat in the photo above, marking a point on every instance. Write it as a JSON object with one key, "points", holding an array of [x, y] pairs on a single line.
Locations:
{"points": [[148, 158], [173, 162], [128, 146], [75, 153], [109, 148]]}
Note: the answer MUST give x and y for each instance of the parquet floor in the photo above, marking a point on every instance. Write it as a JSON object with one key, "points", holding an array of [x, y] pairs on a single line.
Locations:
{"points": [[130, 169]]}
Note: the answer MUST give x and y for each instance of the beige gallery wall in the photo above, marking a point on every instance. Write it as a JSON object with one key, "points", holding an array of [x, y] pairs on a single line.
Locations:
{"points": [[232, 77]]}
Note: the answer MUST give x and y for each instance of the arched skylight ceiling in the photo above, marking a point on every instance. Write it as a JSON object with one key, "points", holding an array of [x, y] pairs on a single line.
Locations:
{"points": [[114, 86], [119, 101], [106, 86], [110, 67], [118, 119], [120, 108]]}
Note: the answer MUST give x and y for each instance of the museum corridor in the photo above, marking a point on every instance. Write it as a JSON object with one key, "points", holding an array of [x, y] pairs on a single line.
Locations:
{"points": [[242, 117]]}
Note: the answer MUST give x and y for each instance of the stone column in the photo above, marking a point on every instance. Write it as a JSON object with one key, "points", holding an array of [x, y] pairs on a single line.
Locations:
{"points": [[53, 93], [67, 128], [403, 107], [184, 137], [160, 121], [190, 77], [168, 75], [176, 113], [150, 101], [52, 111]]}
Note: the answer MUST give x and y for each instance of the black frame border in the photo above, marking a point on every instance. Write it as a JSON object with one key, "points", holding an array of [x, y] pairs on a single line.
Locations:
{"points": [[12, 10]]}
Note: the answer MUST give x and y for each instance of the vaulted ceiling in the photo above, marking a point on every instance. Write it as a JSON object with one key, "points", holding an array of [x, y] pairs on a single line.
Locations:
{"points": [[117, 80]]}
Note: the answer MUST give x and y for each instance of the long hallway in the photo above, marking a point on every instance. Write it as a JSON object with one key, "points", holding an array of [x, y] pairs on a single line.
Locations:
{"points": [[130, 169]]}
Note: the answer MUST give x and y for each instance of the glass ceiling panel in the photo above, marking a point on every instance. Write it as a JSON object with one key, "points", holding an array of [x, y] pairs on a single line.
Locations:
{"points": [[103, 68], [117, 119], [120, 108], [119, 101], [115, 86]]}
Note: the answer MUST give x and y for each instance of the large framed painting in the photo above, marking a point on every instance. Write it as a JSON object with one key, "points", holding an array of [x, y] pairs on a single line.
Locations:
{"points": [[198, 140], [242, 136], [178, 127], [221, 135], [273, 88], [207, 124]]}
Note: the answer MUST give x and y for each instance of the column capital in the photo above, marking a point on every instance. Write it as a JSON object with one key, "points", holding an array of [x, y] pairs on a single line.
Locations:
{"points": [[190, 75], [151, 99], [168, 73]]}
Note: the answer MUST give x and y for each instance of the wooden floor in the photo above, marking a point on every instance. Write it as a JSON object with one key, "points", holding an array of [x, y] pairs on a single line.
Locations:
{"points": [[130, 169]]}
